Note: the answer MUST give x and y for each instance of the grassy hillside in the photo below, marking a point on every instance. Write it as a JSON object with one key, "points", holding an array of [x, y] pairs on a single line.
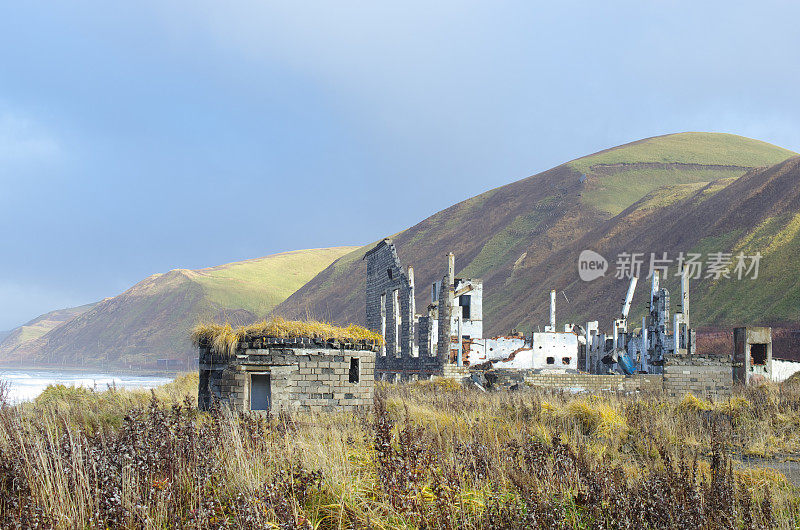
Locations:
{"points": [[39, 326], [758, 212], [619, 177], [152, 319], [523, 239]]}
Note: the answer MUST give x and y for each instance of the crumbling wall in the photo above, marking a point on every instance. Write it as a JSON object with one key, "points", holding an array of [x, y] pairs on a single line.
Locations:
{"points": [[306, 378], [508, 378], [752, 354], [386, 280], [709, 376], [445, 310]]}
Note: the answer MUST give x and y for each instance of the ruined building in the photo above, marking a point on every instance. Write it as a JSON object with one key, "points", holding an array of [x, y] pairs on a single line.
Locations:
{"points": [[645, 350], [415, 345], [448, 338], [288, 375]]}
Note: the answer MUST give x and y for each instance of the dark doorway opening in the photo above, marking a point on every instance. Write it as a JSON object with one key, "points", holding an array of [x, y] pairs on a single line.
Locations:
{"points": [[260, 392]]}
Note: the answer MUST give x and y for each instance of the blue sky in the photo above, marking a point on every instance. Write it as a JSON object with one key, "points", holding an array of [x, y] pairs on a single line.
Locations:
{"points": [[155, 135]]}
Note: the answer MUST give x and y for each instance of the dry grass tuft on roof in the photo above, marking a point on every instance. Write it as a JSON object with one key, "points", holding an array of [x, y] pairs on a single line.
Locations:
{"points": [[224, 338]]}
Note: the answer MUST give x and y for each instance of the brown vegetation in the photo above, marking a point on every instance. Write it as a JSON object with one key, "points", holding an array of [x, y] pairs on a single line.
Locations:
{"points": [[432, 455]]}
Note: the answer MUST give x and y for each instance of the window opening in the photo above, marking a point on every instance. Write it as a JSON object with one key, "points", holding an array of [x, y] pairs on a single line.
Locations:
{"points": [[354, 374]]}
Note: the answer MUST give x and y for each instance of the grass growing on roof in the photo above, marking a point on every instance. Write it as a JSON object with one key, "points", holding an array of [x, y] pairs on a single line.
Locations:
{"points": [[224, 338]]}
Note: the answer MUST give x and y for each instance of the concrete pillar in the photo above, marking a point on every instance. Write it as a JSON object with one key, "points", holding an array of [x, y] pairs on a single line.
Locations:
{"points": [[653, 289], [552, 310], [588, 335], [412, 310], [676, 333], [460, 358], [451, 269], [626, 305], [685, 295], [644, 335], [413, 303]]}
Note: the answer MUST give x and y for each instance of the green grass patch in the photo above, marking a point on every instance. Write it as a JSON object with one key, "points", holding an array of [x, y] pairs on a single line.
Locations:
{"points": [[506, 244], [614, 193], [612, 189], [258, 285], [690, 148]]}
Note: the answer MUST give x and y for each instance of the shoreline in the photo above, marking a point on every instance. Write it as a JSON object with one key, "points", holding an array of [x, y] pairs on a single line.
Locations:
{"points": [[94, 369]]}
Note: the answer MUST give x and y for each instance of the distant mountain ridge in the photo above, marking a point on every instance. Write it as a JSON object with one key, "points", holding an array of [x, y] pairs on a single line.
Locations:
{"points": [[685, 192], [39, 326], [152, 319], [523, 239]]}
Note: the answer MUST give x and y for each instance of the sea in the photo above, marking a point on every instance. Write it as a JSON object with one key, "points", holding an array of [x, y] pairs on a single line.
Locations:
{"points": [[27, 384]]}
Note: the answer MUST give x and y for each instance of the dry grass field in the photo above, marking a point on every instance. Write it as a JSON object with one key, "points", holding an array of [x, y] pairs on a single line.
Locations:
{"points": [[430, 455]]}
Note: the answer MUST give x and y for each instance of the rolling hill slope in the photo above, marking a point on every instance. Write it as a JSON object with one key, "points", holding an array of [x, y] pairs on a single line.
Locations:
{"points": [[40, 325], [523, 239], [152, 319], [758, 212]]}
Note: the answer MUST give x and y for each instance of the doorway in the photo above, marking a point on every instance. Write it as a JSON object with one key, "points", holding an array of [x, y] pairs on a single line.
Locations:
{"points": [[260, 392]]}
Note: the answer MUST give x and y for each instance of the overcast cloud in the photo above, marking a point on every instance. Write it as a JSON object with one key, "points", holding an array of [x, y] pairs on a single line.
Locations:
{"points": [[139, 138]]}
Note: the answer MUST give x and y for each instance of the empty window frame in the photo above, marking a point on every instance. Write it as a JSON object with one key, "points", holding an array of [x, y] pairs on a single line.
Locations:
{"points": [[565, 360], [435, 291], [758, 354], [398, 321], [465, 301], [551, 360], [383, 324], [354, 374]]}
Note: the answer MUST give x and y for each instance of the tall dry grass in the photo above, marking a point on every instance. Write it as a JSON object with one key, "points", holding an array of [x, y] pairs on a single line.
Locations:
{"points": [[431, 455]]}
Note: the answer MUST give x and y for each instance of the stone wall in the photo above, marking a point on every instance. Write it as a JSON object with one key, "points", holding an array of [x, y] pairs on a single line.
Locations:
{"points": [[453, 371], [385, 274], [709, 376], [506, 378], [597, 383], [313, 378]]}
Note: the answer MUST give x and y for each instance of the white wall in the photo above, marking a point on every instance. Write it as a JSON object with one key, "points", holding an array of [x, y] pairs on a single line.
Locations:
{"points": [[783, 370], [555, 345]]}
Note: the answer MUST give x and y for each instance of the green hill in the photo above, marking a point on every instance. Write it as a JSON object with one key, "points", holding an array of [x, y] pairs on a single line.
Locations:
{"points": [[39, 326], [619, 177], [523, 239], [152, 319], [756, 213]]}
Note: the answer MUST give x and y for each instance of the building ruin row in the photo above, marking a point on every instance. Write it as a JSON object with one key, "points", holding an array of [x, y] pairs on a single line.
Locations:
{"points": [[308, 374], [447, 339]]}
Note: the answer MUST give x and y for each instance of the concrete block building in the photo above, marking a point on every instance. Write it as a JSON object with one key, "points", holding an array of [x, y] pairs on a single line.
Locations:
{"points": [[752, 354], [288, 375]]}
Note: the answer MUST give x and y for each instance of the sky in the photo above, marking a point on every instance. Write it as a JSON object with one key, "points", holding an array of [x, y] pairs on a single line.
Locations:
{"points": [[139, 137]]}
